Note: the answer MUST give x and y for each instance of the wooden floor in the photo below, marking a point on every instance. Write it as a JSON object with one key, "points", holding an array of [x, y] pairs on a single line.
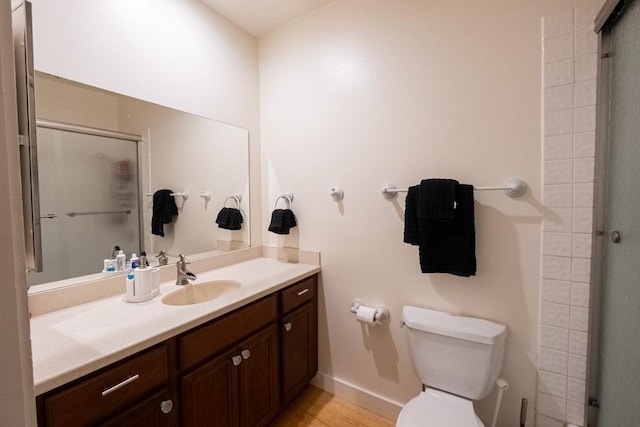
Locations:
{"points": [[317, 408]]}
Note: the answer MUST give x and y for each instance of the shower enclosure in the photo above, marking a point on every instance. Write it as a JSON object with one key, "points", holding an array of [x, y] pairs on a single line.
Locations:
{"points": [[89, 198], [615, 355]]}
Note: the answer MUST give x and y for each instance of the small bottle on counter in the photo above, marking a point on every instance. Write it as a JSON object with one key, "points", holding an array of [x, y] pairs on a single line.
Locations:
{"points": [[121, 259], [111, 264], [134, 261]]}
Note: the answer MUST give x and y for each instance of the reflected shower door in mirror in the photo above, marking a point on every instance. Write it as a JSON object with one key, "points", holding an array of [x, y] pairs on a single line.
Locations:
{"points": [[177, 151], [89, 194]]}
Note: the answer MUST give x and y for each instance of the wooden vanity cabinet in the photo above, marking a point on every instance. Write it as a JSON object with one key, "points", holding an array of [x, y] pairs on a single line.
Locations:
{"points": [[299, 337], [136, 386], [238, 370], [240, 386]]}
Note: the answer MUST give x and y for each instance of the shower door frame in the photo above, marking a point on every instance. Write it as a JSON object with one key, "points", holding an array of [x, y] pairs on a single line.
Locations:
{"points": [[87, 130]]}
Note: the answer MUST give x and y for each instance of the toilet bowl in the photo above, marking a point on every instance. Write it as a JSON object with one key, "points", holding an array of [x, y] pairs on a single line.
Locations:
{"points": [[457, 359]]}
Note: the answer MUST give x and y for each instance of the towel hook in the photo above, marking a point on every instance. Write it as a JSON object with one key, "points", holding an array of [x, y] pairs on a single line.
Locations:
{"points": [[287, 196], [337, 193], [236, 197], [206, 195]]}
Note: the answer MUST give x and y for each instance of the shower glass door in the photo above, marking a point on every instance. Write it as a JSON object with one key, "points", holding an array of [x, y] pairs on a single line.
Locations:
{"points": [[89, 198], [619, 374]]}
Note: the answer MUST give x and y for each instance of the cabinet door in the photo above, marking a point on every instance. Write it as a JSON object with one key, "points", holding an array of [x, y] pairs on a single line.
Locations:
{"points": [[298, 351], [148, 413], [209, 394], [259, 378]]}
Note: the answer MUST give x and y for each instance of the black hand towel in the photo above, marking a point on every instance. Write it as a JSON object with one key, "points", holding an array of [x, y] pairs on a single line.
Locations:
{"points": [[164, 209], [229, 219], [444, 246], [436, 199], [282, 220]]}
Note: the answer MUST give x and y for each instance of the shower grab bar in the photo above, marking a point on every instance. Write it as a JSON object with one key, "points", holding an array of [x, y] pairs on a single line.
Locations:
{"points": [[513, 187], [72, 214]]}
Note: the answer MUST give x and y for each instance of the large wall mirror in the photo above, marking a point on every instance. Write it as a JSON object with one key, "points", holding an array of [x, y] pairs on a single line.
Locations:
{"points": [[96, 187]]}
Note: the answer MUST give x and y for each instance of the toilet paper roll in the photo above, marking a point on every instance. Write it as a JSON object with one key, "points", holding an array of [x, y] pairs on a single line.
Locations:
{"points": [[366, 315]]}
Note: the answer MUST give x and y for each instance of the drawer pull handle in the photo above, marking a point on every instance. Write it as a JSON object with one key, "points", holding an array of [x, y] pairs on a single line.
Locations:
{"points": [[120, 385], [245, 354], [288, 326], [304, 291], [166, 406], [237, 360]]}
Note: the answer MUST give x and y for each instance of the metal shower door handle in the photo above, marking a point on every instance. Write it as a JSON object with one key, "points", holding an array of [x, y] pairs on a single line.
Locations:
{"points": [[615, 236]]}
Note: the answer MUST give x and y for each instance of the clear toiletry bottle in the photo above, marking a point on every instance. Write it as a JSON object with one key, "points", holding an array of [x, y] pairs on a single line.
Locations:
{"points": [[121, 259]]}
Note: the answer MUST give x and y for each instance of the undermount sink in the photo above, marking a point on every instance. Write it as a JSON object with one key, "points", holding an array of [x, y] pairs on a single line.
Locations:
{"points": [[200, 292]]}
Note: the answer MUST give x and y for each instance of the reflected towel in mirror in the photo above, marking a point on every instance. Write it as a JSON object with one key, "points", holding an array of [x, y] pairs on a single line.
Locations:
{"points": [[164, 209], [229, 219]]}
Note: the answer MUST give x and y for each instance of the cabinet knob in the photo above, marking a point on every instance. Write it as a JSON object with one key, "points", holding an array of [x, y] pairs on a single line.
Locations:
{"points": [[245, 354], [237, 360], [166, 406], [288, 326]]}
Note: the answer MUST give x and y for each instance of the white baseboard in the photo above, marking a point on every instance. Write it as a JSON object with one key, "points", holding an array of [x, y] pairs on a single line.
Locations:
{"points": [[357, 395]]}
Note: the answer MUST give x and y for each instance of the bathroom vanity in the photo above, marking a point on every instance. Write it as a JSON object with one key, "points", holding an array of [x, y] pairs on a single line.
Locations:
{"points": [[237, 365]]}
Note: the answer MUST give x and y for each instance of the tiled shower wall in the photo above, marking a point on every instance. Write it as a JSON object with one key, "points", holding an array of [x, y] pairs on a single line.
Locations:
{"points": [[570, 63]]}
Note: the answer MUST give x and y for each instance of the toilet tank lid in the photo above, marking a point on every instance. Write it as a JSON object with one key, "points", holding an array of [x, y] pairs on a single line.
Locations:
{"points": [[447, 324]]}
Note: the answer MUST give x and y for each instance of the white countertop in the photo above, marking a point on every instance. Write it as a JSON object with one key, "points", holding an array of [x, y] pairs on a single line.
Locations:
{"points": [[72, 342]]}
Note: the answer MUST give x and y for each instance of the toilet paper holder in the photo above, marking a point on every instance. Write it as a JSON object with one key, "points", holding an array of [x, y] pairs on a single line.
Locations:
{"points": [[381, 312]]}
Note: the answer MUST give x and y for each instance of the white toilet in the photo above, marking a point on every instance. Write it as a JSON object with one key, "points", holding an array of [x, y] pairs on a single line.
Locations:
{"points": [[457, 359]]}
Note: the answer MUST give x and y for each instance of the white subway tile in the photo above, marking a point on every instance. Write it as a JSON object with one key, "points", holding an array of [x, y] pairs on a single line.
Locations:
{"points": [[556, 291], [575, 413], [583, 220], [576, 390], [586, 67], [580, 294], [577, 366], [585, 93], [560, 220], [551, 406], [558, 24], [584, 169], [544, 421], [585, 119], [558, 147], [555, 315], [559, 48], [554, 338], [581, 270], [582, 245], [553, 384], [558, 98], [584, 17], [553, 361], [559, 73], [578, 342], [586, 42], [556, 268], [558, 122], [558, 244], [583, 195], [584, 144], [558, 171], [558, 196], [580, 318]]}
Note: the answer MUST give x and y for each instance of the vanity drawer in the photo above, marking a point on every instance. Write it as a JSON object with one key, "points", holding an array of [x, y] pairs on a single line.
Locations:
{"points": [[206, 341], [296, 295], [99, 395]]}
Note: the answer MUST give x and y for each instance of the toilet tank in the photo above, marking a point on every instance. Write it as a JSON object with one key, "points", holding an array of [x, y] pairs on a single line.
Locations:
{"points": [[456, 354]]}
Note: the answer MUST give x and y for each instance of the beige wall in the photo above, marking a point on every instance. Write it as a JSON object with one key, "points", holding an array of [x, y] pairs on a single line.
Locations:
{"points": [[399, 91], [17, 405]]}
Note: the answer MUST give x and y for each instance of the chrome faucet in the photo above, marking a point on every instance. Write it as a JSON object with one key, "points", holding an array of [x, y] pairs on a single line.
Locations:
{"points": [[183, 275]]}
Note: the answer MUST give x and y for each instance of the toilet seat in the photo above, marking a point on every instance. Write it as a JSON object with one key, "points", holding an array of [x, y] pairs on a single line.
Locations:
{"points": [[438, 409]]}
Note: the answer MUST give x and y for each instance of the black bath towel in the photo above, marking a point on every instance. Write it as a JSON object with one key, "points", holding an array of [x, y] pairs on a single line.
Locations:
{"points": [[437, 199], [444, 246], [282, 220], [229, 219], [164, 209]]}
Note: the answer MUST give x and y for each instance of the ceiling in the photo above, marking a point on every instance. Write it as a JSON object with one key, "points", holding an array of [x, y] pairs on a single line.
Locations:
{"points": [[258, 17]]}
